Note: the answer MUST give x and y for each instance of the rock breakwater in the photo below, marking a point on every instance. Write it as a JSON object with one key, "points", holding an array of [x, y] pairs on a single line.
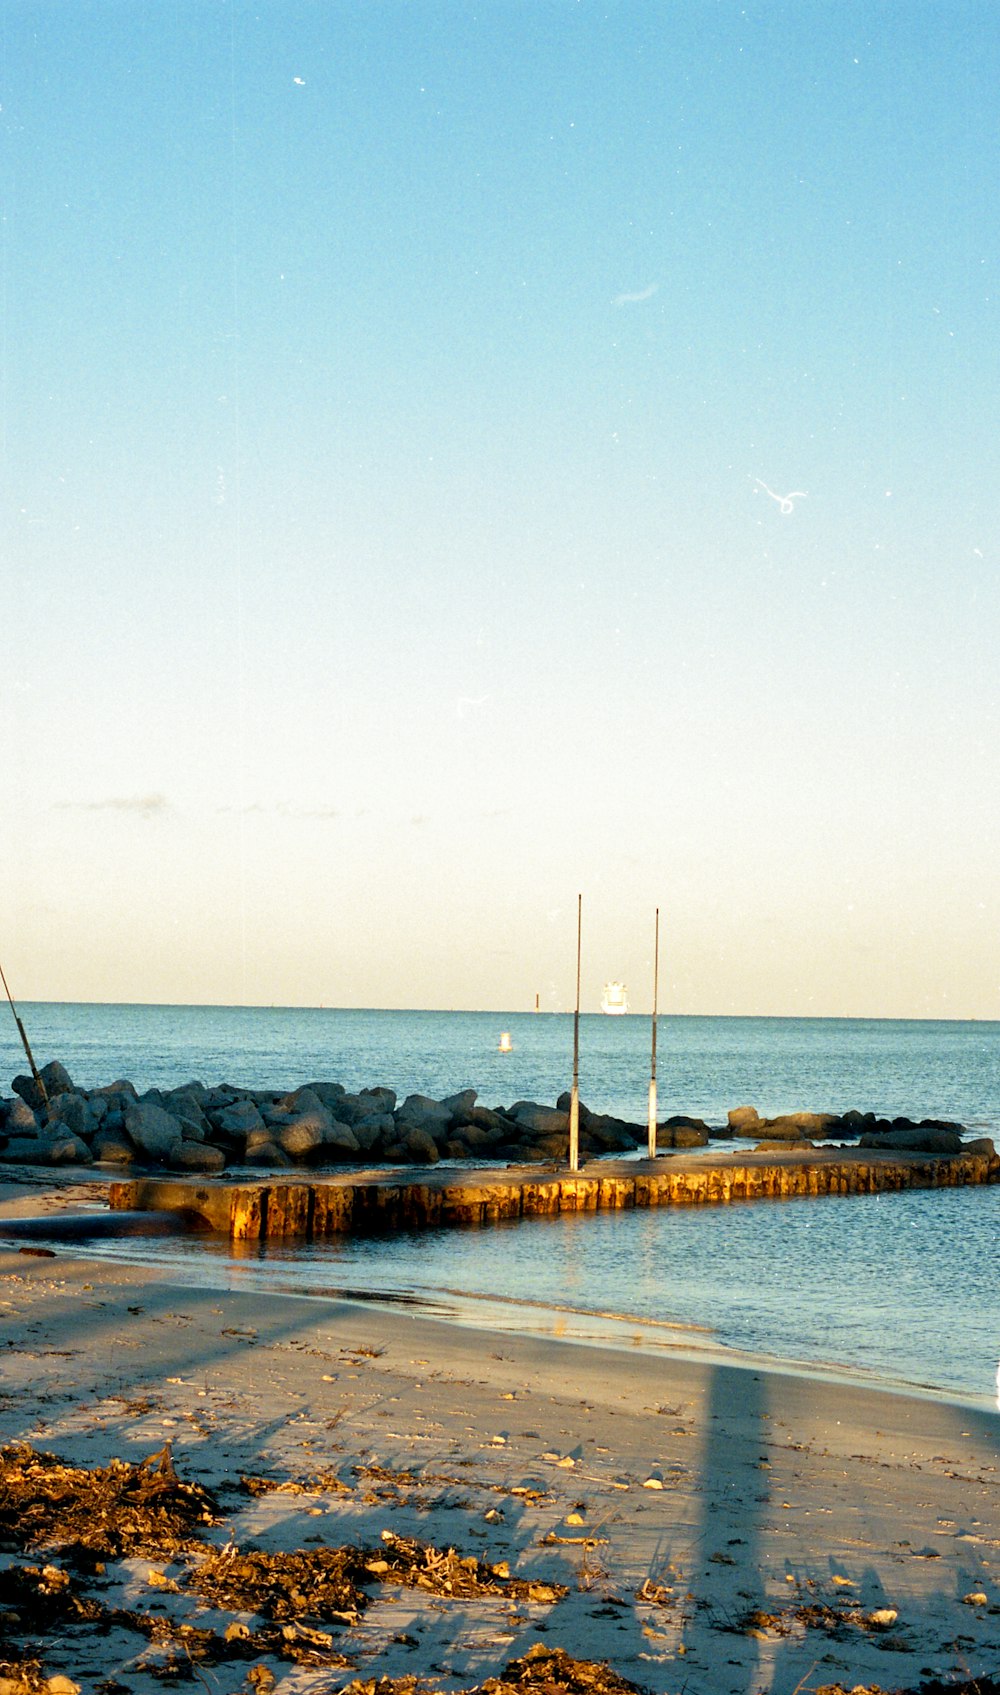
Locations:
{"points": [[205, 1130]]}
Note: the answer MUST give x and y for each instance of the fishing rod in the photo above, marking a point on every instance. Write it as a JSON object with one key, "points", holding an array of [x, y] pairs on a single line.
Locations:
{"points": [[24, 1038]]}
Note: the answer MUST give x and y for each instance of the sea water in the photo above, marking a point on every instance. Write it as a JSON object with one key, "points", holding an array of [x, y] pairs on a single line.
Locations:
{"points": [[896, 1289], [892, 1067]]}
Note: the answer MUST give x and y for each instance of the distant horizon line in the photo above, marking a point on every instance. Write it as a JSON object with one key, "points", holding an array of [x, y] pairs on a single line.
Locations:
{"points": [[529, 1012]]}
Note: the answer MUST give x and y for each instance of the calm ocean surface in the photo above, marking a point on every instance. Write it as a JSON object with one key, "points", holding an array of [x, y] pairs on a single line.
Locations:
{"points": [[902, 1289]]}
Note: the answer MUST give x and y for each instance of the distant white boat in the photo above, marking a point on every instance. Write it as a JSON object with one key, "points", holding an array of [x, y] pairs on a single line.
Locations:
{"points": [[614, 1000], [506, 1045]]}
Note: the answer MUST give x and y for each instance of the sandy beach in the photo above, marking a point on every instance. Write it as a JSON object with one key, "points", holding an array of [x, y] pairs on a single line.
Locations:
{"points": [[719, 1529]]}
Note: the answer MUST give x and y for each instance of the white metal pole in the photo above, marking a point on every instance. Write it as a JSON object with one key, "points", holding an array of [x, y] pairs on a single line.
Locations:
{"points": [[574, 1098], [652, 1067]]}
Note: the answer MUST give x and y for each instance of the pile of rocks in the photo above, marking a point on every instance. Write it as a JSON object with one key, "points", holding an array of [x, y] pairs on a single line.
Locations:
{"points": [[907, 1135], [200, 1129]]}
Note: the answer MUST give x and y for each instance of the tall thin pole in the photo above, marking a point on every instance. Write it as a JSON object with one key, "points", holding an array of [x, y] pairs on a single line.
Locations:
{"points": [[24, 1038], [574, 1098], [652, 1065]]}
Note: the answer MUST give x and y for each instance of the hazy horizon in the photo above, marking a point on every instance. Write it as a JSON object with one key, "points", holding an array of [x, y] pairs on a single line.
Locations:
{"points": [[635, 1013], [455, 458]]}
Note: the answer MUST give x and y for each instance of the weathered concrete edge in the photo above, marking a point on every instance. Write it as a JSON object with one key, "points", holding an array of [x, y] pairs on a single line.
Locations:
{"points": [[379, 1202]]}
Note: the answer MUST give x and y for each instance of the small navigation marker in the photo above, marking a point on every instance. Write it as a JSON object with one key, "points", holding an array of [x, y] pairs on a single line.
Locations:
{"points": [[506, 1045]]}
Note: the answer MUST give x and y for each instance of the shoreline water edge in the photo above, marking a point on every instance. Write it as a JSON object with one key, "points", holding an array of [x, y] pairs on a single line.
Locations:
{"points": [[320, 1161]]}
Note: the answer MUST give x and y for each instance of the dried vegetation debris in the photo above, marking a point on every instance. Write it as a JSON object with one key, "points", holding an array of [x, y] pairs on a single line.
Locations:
{"points": [[541, 1671], [284, 1600], [89, 1518], [323, 1483], [962, 1686], [43, 1597], [110, 1512], [318, 1584], [330, 1584], [22, 1677], [837, 1620], [405, 1560]]}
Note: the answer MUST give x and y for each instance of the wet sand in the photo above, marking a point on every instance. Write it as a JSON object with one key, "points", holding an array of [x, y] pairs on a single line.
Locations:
{"points": [[722, 1528]]}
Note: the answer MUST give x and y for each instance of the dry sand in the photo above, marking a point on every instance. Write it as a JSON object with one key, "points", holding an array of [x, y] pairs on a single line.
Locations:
{"points": [[722, 1529]]}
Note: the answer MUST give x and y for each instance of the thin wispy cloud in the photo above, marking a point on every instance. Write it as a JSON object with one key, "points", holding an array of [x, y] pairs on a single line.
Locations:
{"points": [[281, 809], [636, 296], [141, 806]]}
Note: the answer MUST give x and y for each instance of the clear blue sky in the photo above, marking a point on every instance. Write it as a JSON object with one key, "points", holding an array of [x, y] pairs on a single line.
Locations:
{"points": [[401, 406]]}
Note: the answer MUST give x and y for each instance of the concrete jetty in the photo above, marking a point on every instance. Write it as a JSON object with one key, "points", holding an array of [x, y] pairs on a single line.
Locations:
{"points": [[381, 1201]]}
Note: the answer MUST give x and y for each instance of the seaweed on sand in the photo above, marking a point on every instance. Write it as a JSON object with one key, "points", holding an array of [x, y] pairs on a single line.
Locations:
{"points": [[110, 1512], [541, 1671], [330, 1584]]}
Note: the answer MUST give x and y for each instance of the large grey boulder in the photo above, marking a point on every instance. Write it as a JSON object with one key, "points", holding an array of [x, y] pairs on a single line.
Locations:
{"points": [[369, 1103], [542, 1121], [28, 1091], [420, 1145], [377, 1100], [268, 1155], [613, 1136], [480, 1136], [563, 1105], [799, 1124], [303, 1135], [193, 1131], [155, 1132], [57, 1079], [117, 1097], [271, 1113], [341, 1141], [113, 1147], [196, 1156], [222, 1094], [49, 1147], [72, 1112], [259, 1138], [237, 1119], [486, 1118], [329, 1094], [185, 1105], [680, 1136], [548, 1147], [915, 1141], [194, 1087], [370, 1132], [21, 1120], [300, 1101], [419, 1112], [462, 1104]]}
